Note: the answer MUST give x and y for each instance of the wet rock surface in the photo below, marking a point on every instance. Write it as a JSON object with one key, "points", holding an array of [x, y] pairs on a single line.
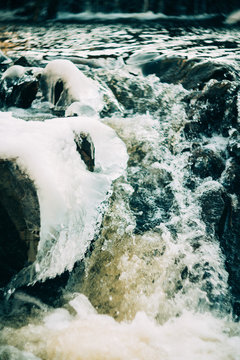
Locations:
{"points": [[19, 220], [191, 73], [214, 109], [18, 87], [204, 163], [85, 148]]}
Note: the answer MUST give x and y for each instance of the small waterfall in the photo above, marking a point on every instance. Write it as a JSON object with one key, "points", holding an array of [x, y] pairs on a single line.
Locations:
{"points": [[133, 153]]}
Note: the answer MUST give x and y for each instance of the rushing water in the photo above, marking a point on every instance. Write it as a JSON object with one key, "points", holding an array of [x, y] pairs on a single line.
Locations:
{"points": [[153, 284]]}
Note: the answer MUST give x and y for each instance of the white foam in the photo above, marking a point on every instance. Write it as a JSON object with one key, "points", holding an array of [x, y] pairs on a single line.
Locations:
{"points": [[188, 337]]}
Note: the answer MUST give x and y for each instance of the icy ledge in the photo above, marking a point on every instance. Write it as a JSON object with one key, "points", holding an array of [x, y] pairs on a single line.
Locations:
{"points": [[70, 196]]}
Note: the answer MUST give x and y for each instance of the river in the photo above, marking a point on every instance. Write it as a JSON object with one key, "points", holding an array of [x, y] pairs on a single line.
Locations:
{"points": [[145, 272]]}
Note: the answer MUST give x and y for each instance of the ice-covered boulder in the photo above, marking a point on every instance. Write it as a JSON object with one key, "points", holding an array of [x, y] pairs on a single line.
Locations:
{"points": [[62, 83], [18, 87], [14, 72], [72, 163]]}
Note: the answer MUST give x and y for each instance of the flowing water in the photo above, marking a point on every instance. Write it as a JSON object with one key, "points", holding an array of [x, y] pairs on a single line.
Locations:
{"points": [[147, 278]]}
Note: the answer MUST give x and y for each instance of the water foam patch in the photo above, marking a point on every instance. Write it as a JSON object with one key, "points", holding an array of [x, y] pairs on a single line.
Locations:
{"points": [[94, 337]]}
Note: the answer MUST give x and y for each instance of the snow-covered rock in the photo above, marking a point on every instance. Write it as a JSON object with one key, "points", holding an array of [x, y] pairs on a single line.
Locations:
{"points": [[62, 83]]}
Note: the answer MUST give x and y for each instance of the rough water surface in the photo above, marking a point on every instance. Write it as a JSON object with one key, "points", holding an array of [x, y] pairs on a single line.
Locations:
{"points": [[142, 236]]}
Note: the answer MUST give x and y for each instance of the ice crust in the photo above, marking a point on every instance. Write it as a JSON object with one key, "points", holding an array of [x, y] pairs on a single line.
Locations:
{"points": [[70, 196], [75, 85]]}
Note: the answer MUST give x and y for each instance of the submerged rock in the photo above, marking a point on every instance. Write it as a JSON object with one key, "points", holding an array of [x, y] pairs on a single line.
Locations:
{"points": [[19, 220], [230, 245], [131, 94], [231, 177], [216, 207], [205, 162], [152, 199], [234, 146]]}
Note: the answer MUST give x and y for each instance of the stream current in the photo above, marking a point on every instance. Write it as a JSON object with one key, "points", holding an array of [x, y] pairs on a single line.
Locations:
{"points": [[147, 278]]}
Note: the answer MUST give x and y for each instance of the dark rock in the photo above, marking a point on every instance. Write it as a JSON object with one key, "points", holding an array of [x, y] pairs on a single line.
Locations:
{"points": [[18, 89], [234, 145], [152, 199], [231, 177], [191, 73], [230, 244], [214, 109], [19, 220], [192, 130], [23, 94], [50, 290], [205, 162], [216, 209], [22, 61], [184, 273], [131, 94], [86, 149]]}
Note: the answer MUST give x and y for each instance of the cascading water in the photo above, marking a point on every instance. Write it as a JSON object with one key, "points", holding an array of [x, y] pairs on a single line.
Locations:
{"points": [[149, 273]]}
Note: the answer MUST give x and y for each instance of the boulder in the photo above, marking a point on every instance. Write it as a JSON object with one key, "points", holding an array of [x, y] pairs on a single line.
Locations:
{"points": [[19, 220], [22, 60], [132, 95], [62, 84], [191, 73], [212, 109], [230, 178], [233, 18], [216, 207], [18, 87], [23, 93], [221, 213], [205, 162], [152, 199]]}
